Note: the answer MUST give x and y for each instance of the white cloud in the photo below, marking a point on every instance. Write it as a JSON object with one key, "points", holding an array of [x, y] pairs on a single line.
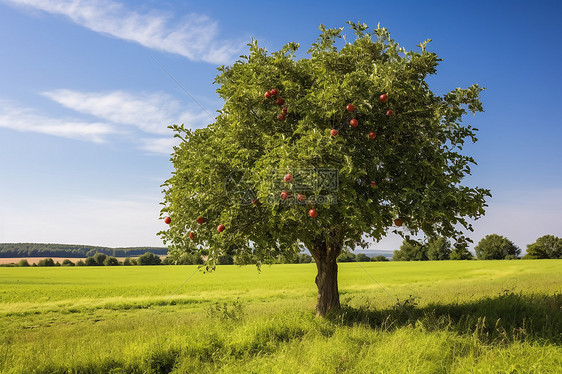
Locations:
{"points": [[151, 113], [116, 222], [23, 119], [159, 145], [193, 36]]}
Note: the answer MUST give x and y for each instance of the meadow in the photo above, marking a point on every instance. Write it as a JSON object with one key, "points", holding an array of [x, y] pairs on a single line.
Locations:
{"points": [[397, 317]]}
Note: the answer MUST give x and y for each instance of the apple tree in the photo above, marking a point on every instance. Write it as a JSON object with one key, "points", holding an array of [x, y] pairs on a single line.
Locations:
{"points": [[324, 151]]}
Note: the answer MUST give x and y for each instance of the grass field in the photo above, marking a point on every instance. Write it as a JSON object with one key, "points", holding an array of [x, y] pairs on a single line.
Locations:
{"points": [[398, 317]]}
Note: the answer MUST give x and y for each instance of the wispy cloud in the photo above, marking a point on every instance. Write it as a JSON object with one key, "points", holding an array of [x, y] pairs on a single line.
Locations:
{"points": [[24, 119], [193, 36], [159, 145], [149, 112]]}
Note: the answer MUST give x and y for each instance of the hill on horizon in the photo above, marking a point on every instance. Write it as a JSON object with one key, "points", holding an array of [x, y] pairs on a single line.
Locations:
{"points": [[9, 250]]}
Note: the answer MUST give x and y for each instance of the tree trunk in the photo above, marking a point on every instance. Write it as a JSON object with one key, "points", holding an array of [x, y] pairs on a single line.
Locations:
{"points": [[327, 278]]}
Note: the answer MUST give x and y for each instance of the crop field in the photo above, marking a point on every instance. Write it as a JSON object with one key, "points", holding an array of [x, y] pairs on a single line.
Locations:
{"points": [[397, 317]]}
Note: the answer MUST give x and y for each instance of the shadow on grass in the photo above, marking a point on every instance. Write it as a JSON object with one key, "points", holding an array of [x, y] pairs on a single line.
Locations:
{"points": [[497, 320]]}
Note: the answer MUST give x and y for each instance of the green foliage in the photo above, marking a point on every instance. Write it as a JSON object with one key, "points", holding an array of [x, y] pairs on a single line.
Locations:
{"points": [[46, 262], [66, 250], [67, 262], [111, 261], [460, 252], [438, 248], [547, 246], [80, 263], [379, 258], [496, 247], [416, 159], [362, 257], [149, 259], [410, 250], [23, 263], [225, 260], [90, 261], [346, 257], [304, 258], [100, 258]]}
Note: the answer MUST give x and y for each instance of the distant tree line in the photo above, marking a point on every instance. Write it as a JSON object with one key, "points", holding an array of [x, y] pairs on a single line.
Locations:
{"points": [[491, 247], [72, 251]]}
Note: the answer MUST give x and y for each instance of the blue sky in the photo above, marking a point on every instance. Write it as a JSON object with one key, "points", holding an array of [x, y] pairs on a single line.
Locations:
{"points": [[85, 105]]}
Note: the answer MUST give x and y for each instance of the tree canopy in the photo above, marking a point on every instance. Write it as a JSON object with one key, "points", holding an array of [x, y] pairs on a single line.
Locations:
{"points": [[547, 246], [323, 151], [496, 247]]}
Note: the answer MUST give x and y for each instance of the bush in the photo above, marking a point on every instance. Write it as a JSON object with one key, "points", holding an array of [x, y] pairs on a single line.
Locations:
{"points": [[128, 262], [346, 257], [100, 258], [362, 257], [496, 247], [67, 262], [90, 261], [111, 261], [225, 260], [149, 259], [80, 263], [190, 259], [46, 262], [304, 258], [379, 258], [23, 263]]}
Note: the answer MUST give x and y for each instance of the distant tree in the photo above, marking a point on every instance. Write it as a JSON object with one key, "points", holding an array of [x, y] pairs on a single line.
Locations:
{"points": [[304, 258], [346, 257], [190, 259], [496, 247], [80, 263], [438, 248], [547, 246], [67, 262], [149, 259], [23, 263], [100, 258], [46, 262], [379, 258], [111, 261], [127, 262], [90, 261], [225, 260], [460, 252], [410, 250], [362, 257]]}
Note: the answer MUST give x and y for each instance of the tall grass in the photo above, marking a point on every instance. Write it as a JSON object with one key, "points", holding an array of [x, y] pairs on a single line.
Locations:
{"points": [[457, 317]]}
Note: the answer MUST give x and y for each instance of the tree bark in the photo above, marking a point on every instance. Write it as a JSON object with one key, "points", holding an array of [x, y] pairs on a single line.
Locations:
{"points": [[325, 256]]}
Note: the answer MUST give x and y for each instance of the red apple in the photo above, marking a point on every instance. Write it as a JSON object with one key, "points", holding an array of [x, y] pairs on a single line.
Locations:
{"points": [[284, 110], [398, 222], [301, 198], [191, 235], [288, 178], [220, 228], [353, 123], [201, 220], [372, 135], [284, 195], [280, 101], [383, 98], [255, 201], [267, 94], [281, 117], [373, 184], [313, 213], [167, 220], [350, 107], [334, 132], [274, 92], [390, 112]]}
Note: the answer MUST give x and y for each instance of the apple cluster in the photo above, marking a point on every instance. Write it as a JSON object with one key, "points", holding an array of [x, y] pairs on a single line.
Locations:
{"points": [[279, 101]]}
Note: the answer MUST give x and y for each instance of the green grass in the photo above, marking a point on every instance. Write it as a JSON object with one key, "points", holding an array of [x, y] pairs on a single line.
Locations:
{"points": [[430, 317]]}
